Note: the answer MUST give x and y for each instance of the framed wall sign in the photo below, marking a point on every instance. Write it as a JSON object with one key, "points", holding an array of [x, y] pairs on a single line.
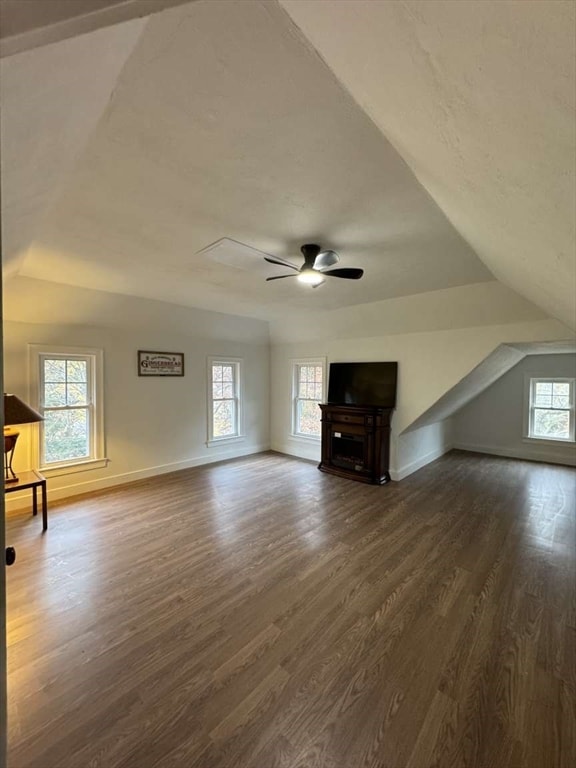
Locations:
{"points": [[160, 363]]}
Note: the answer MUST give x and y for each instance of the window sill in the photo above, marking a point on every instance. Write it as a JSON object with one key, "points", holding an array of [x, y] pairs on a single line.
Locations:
{"points": [[225, 440], [69, 469], [548, 441]]}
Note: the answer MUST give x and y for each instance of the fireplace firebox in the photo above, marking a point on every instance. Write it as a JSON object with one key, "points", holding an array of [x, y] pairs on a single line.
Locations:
{"points": [[348, 450]]}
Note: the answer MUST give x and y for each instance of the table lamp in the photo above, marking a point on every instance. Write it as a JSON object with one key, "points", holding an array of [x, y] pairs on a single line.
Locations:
{"points": [[15, 412]]}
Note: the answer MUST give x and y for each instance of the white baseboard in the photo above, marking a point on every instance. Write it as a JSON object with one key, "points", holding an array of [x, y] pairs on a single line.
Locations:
{"points": [[528, 453], [24, 500], [413, 466]]}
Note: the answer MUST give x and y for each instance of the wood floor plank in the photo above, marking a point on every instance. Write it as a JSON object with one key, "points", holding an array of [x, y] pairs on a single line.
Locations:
{"points": [[260, 614]]}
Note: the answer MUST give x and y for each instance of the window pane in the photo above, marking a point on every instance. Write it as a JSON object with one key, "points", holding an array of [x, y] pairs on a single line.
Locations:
{"points": [[227, 373], [76, 370], [76, 393], [228, 390], [551, 424], [216, 373], [543, 387], [66, 435], [307, 415], [54, 370], [561, 388], [217, 389], [54, 394], [309, 419], [560, 401], [223, 416], [543, 401]]}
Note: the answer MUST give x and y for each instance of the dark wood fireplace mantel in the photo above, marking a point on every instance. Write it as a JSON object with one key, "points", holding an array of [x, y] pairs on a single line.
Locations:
{"points": [[356, 442]]}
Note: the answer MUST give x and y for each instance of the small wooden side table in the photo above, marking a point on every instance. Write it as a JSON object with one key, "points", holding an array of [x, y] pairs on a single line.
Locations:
{"points": [[32, 479]]}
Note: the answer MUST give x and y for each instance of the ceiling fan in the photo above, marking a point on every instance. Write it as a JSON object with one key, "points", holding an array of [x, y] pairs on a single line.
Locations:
{"points": [[315, 267]]}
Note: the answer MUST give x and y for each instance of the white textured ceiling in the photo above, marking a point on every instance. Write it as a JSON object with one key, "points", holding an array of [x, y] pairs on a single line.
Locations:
{"points": [[52, 99], [480, 99], [225, 122]]}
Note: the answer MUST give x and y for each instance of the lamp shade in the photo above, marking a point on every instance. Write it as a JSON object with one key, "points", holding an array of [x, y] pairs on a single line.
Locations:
{"points": [[17, 412]]}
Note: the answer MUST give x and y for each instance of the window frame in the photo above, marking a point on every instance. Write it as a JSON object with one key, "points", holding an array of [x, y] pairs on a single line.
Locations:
{"points": [[296, 364], [238, 365], [95, 409], [530, 382]]}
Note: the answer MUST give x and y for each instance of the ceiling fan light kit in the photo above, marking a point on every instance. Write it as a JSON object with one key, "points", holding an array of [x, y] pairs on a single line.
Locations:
{"points": [[310, 277], [315, 267]]}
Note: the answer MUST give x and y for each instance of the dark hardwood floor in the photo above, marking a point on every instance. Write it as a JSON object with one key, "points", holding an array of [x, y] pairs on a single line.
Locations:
{"points": [[261, 614]]}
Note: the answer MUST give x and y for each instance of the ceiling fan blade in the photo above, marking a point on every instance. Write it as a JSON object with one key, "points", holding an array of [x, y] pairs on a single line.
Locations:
{"points": [[281, 262], [349, 273], [326, 259], [279, 277]]}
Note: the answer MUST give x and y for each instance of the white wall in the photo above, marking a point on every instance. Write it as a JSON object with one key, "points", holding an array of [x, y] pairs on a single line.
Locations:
{"points": [[429, 365], [152, 425], [494, 421], [413, 450], [144, 437], [438, 338]]}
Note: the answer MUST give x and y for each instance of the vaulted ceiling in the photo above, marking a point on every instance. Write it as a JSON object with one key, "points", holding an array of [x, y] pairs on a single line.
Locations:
{"points": [[430, 143]]}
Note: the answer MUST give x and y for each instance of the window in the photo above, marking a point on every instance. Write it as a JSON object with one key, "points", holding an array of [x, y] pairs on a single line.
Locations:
{"points": [[551, 409], [307, 392], [224, 404], [68, 384]]}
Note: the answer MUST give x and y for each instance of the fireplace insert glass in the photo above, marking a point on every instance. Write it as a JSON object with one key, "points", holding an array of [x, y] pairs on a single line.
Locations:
{"points": [[348, 450]]}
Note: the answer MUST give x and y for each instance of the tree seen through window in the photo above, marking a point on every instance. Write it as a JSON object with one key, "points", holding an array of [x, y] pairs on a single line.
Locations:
{"points": [[66, 406]]}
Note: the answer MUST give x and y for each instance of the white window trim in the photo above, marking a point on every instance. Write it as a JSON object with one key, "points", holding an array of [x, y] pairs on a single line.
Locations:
{"points": [[527, 426], [240, 436], [98, 458], [294, 363]]}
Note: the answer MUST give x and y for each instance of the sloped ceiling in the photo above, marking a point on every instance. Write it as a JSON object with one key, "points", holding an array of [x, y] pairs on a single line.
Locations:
{"points": [[52, 99], [479, 99], [225, 122]]}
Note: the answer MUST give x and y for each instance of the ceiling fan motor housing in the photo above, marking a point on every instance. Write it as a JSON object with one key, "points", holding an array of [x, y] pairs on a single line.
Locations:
{"points": [[309, 251], [315, 264]]}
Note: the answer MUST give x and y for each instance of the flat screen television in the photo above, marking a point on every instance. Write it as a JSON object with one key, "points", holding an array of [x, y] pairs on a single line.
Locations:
{"points": [[363, 384]]}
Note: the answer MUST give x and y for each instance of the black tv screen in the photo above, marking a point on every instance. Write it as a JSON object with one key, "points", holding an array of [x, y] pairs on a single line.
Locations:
{"points": [[363, 384]]}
